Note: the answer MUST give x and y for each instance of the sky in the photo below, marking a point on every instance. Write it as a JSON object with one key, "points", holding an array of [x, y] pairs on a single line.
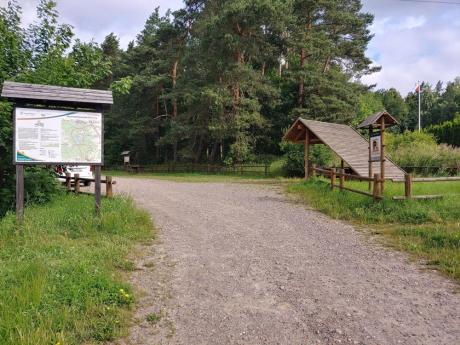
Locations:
{"points": [[414, 40]]}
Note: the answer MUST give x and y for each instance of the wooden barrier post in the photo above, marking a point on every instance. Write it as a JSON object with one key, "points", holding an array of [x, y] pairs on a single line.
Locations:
{"points": [[333, 178], [313, 170], [68, 182], [77, 183], [97, 188], [408, 186], [307, 153], [20, 193], [382, 154], [376, 190], [342, 178], [108, 186], [266, 169], [370, 157]]}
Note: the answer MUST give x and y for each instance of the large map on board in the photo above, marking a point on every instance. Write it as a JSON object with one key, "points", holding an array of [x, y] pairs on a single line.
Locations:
{"points": [[57, 136]]}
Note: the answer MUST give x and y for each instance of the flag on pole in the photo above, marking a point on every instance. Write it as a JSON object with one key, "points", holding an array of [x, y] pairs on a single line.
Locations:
{"points": [[418, 88]]}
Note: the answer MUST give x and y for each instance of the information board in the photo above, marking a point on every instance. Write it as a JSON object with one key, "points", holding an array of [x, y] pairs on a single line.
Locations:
{"points": [[376, 146], [57, 136]]}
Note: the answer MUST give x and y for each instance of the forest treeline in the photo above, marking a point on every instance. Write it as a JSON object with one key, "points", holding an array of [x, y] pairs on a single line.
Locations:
{"points": [[216, 81]]}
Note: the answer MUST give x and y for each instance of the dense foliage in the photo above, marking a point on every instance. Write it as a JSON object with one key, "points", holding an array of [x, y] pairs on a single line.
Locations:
{"points": [[222, 80], [447, 132]]}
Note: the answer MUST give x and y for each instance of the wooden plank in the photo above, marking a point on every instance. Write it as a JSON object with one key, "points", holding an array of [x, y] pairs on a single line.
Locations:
{"points": [[420, 197]]}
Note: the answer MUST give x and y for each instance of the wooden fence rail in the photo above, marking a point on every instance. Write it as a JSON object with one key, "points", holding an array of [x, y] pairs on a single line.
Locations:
{"points": [[109, 182], [333, 174], [237, 169]]}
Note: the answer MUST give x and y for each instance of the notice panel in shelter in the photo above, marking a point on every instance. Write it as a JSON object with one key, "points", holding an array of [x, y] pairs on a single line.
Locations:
{"points": [[57, 136]]}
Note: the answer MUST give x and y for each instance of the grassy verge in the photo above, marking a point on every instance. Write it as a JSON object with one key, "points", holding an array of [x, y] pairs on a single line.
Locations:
{"points": [[429, 229], [195, 177], [61, 279]]}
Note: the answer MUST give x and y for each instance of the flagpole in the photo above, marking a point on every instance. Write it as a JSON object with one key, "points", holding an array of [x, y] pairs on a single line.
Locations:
{"points": [[419, 108]]}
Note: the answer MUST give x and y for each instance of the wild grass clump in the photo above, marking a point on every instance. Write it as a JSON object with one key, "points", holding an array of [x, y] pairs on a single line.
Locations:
{"points": [[413, 149], [60, 272]]}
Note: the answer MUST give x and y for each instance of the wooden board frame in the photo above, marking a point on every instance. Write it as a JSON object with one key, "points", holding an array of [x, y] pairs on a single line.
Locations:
{"points": [[94, 110]]}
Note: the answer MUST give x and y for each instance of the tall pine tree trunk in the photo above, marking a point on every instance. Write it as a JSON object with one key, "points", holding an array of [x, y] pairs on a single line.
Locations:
{"points": [[174, 101], [302, 81]]}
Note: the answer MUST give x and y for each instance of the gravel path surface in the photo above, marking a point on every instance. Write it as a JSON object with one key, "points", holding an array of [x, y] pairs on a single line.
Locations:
{"points": [[242, 264]]}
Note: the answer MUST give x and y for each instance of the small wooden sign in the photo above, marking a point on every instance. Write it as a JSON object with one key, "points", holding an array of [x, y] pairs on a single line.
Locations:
{"points": [[376, 147]]}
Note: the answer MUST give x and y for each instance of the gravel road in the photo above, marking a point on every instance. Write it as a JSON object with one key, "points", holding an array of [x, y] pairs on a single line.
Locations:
{"points": [[243, 264]]}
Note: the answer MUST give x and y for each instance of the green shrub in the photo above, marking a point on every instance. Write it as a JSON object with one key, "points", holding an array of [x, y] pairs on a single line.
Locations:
{"points": [[320, 155], [447, 132], [414, 149]]}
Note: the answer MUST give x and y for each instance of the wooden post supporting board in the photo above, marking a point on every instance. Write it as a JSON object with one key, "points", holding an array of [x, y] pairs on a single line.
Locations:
{"points": [[408, 186], [77, 183], [382, 154], [370, 157], [97, 188], [333, 178], [68, 182], [342, 178], [20, 193], [108, 186], [376, 190], [307, 153]]}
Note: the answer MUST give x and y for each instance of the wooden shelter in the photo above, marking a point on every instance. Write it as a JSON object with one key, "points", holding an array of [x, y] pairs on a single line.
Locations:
{"points": [[345, 141]]}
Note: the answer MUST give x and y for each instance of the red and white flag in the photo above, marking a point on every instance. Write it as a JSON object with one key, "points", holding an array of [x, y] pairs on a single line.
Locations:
{"points": [[418, 89]]}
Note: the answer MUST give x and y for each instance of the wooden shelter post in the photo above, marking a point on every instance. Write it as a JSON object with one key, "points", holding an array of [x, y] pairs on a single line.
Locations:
{"points": [[97, 188], [20, 193], [307, 154], [382, 154], [370, 157]]}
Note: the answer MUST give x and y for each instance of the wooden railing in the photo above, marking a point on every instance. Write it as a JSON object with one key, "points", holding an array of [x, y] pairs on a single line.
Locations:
{"points": [[409, 181], [109, 182], [333, 173], [237, 169]]}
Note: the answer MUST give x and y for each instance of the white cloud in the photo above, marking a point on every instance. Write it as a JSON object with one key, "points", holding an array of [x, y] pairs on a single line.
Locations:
{"points": [[413, 41], [410, 23]]}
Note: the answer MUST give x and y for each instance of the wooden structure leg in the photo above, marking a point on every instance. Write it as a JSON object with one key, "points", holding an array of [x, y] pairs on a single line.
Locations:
{"points": [[382, 154], [333, 178], [307, 154], [97, 189], [342, 178], [108, 187], [377, 187], [370, 158], [408, 186], [77, 183], [20, 193], [68, 182]]}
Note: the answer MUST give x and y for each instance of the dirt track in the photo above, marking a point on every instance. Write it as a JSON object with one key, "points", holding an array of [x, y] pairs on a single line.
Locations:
{"points": [[241, 264]]}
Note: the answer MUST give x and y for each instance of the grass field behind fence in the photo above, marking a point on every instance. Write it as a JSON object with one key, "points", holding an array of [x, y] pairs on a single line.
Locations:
{"points": [[62, 280], [429, 229]]}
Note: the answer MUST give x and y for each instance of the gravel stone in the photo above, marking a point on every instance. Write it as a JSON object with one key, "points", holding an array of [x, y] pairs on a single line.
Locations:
{"points": [[243, 264]]}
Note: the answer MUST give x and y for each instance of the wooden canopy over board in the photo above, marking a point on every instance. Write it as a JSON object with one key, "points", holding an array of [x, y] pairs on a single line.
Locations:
{"points": [[345, 141], [374, 120], [56, 95]]}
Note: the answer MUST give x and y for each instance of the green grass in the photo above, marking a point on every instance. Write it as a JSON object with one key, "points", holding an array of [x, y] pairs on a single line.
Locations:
{"points": [[195, 177], [430, 229], [62, 277]]}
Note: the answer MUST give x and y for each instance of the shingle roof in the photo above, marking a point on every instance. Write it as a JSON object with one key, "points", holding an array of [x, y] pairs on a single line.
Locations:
{"points": [[374, 120], [42, 93]]}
